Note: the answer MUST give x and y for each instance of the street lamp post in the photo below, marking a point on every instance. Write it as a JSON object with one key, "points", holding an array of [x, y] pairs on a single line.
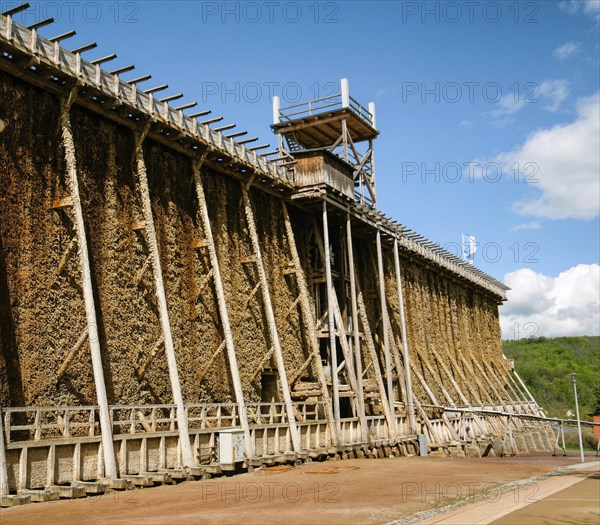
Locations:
{"points": [[574, 378]]}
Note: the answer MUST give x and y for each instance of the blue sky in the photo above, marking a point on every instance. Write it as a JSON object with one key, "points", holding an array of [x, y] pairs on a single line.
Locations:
{"points": [[512, 86]]}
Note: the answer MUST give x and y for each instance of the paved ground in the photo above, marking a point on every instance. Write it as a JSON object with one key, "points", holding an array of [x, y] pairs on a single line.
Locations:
{"points": [[570, 495], [401, 490]]}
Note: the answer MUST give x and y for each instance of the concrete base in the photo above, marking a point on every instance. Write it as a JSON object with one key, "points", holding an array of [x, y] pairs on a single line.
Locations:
{"points": [[472, 451], [158, 477], [14, 501], [119, 484], [178, 474], [68, 491], [92, 488], [139, 480], [197, 472], [40, 496]]}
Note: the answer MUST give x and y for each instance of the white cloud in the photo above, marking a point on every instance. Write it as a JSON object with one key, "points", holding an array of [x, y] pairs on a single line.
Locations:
{"points": [[539, 305], [553, 92], [589, 7], [566, 156], [550, 92], [532, 225], [507, 105], [566, 50]]}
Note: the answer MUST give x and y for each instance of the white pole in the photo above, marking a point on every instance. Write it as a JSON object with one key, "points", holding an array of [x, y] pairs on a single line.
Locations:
{"points": [[68, 144], [3, 467], [410, 407], [345, 93], [279, 361], [187, 454], [573, 376], [229, 344], [330, 321], [276, 106], [385, 323]]}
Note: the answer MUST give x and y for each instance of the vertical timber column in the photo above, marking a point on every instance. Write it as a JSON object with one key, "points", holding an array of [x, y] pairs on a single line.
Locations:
{"points": [[214, 262], [110, 467], [182, 423], [330, 321], [3, 465], [372, 154], [355, 329], [285, 388], [311, 325], [410, 407], [385, 321]]}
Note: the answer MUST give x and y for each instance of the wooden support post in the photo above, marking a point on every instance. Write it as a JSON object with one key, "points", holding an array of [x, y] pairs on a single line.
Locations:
{"points": [[209, 363], [310, 324], [385, 324], [492, 374], [68, 144], [519, 393], [343, 338], [410, 409], [490, 384], [331, 322], [187, 455], [509, 383], [285, 389], [527, 390], [296, 375], [3, 463], [368, 338], [66, 255], [72, 353], [222, 304], [450, 377], [476, 378], [141, 371], [262, 363], [355, 328]]}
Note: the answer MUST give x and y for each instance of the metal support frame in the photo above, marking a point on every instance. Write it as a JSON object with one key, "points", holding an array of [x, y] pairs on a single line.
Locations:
{"points": [[222, 304], [68, 144], [285, 389], [187, 454]]}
